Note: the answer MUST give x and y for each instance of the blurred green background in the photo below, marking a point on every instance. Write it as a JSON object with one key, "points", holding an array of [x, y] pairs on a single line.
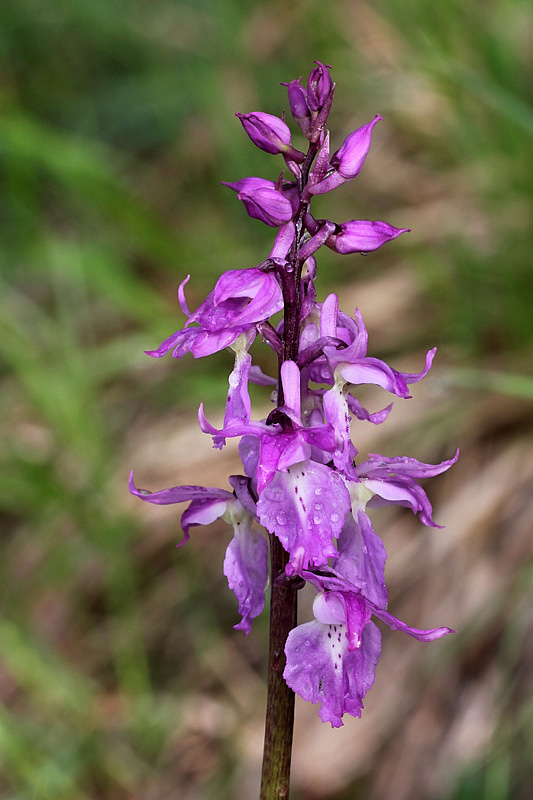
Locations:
{"points": [[120, 674]]}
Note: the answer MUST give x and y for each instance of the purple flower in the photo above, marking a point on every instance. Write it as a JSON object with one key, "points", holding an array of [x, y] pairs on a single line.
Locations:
{"points": [[362, 236], [301, 482], [305, 507], [349, 158], [262, 200], [299, 107], [320, 87], [246, 561], [310, 107], [270, 134], [321, 667], [333, 659], [342, 367], [240, 299], [392, 481], [351, 365]]}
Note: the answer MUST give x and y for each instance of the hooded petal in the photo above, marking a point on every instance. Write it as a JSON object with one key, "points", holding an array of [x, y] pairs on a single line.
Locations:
{"points": [[259, 287]]}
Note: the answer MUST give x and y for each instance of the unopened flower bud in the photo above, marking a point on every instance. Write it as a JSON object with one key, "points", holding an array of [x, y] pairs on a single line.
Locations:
{"points": [[351, 155], [363, 236], [262, 200], [348, 160], [270, 134], [319, 87], [298, 103], [310, 107]]}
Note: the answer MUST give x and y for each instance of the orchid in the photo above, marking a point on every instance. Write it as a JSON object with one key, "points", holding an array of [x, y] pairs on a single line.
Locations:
{"points": [[304, 482]]}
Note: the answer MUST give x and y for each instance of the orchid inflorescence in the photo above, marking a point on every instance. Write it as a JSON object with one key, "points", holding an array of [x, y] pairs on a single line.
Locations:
{"points": [[302, 482]]}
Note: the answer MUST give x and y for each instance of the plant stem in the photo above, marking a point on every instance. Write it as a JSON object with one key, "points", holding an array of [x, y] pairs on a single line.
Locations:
{"points": [[280, 699]]}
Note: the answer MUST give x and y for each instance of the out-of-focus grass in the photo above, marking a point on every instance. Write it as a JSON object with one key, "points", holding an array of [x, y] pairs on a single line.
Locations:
{"points": [[116, 127]]}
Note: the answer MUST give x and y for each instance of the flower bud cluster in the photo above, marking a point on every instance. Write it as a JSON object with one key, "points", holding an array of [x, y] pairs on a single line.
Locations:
{"points": [[303, 481]]}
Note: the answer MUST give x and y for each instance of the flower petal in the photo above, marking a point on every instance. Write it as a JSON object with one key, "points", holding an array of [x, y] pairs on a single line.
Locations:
{"points": [[423, 635], [246, 568], [321, 668], [362, 557], [401, 491], [305, 508], [179, 494]]}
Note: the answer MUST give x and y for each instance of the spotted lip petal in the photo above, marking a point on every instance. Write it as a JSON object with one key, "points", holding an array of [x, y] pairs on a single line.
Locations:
{"points": [[322, 669], [305, 508], [333, 659]]}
